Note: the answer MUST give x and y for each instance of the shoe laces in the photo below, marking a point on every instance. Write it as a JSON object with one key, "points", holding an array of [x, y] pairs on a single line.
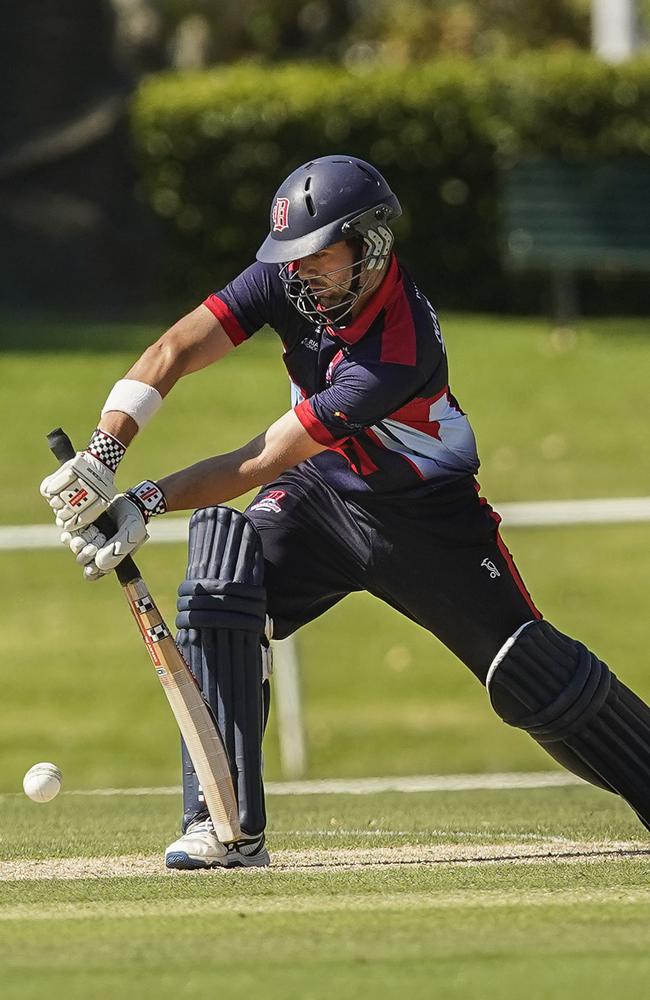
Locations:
{"points": [[201, 826]]}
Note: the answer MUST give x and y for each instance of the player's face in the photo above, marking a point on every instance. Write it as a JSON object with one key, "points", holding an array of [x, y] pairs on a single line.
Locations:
{"points": [[329, 272]]}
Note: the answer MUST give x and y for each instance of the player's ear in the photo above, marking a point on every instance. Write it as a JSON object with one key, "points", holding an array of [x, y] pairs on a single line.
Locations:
{"points": [[355, 243]]}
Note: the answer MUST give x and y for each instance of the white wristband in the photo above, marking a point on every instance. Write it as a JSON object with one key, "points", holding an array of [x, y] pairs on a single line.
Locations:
{"points": [[137, 399]]}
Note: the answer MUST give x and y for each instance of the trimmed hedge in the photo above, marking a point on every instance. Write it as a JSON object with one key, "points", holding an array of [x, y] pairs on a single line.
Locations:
{"points": [[215, 145]]}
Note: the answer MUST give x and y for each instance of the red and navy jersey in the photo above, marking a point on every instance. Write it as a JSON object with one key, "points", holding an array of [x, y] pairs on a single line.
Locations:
{"points": [[376, 392]]}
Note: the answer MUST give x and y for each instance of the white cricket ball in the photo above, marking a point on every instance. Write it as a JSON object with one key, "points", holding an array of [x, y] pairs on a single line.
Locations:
{"points": [[42, 782]]}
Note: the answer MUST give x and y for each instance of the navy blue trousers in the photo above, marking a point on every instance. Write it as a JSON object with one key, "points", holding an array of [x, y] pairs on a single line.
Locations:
{"points": [[438, 559]]}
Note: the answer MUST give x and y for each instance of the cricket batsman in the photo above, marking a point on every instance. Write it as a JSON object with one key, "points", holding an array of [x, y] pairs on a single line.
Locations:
{"points": [[366, 483]]}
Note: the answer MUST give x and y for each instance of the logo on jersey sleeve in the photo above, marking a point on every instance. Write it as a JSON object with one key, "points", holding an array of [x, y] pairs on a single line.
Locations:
{"points": [[329, 374], [280, 215]]}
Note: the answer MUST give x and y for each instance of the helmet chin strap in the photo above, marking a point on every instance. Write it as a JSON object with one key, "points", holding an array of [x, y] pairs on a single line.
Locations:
{"points": [[358, 266]]}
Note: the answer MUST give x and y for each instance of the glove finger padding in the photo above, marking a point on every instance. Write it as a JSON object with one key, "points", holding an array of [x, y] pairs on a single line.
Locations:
{"points": [[84, 545], [79, 491], [99, 554], [89, 539], [91, 572]]}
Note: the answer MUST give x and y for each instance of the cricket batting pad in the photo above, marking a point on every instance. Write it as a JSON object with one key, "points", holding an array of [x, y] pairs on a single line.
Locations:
{"points": [[554, 688], [221, 616]]}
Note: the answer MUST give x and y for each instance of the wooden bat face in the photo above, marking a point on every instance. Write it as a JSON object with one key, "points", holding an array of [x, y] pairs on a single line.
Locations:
{"points": [[193, 716]]}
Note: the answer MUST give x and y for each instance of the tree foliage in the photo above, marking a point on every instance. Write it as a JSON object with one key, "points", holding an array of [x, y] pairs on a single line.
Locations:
{"points": [[379, 32], [216, 144]]}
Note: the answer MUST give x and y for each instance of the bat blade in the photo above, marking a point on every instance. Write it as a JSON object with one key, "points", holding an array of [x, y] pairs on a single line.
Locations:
{"points": [[194, 719]]}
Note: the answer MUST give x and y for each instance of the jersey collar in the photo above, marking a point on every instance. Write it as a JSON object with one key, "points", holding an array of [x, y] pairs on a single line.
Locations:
{"points": [[356, 329]]}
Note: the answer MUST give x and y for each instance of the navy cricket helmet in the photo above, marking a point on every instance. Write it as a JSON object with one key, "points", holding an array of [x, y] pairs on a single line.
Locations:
{"points": [[324, 201]]}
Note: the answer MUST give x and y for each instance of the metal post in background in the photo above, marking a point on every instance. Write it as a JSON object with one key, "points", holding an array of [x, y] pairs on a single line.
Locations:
{"points": [[288, 708], [614, 29]]}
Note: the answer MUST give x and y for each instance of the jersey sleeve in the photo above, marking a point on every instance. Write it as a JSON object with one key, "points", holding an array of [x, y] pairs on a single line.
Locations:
{"points": [[248, 303], [360, 395]]}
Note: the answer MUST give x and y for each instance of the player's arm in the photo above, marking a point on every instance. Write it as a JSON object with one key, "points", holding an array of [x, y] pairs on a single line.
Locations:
{"points": [[82, 488], [216, 480], [194, 342], [213, 481]]}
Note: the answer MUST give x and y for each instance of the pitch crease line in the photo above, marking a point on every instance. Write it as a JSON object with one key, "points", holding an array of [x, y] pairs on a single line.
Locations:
{"points": [[321, 860]]}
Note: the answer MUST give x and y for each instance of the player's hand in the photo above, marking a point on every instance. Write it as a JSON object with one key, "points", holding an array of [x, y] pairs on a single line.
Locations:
{"points": [[130, 513], [83, 487], [98, 554]]}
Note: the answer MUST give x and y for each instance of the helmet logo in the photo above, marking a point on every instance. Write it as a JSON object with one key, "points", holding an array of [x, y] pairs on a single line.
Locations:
{"points": [[280, 215]]}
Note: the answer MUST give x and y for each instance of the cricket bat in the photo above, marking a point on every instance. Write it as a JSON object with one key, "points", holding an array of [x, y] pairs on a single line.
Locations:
{"points": [[193, 716]]}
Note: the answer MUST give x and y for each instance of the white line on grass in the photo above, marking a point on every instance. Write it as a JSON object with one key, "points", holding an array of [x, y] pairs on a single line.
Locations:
{"points": [[530, 514], [372, 786]]}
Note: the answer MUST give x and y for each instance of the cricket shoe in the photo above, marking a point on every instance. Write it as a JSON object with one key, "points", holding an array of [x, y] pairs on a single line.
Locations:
{"points": [[199, 847]]}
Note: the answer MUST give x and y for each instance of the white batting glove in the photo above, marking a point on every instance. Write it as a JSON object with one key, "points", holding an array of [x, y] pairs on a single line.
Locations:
{"points": [[82, 488], [130, 513]]}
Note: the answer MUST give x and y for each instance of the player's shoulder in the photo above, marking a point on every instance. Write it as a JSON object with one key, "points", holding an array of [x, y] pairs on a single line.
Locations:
{"points": [[421, 318], [259, 283], [416, 302], [406, 330], [264, 275]]}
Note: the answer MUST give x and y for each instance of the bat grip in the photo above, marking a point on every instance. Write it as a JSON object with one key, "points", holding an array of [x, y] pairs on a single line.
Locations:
{"points": [[62, 448]]}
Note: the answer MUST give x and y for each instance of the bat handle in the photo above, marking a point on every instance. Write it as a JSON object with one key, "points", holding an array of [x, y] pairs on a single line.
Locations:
{"points": [[62, 448]]}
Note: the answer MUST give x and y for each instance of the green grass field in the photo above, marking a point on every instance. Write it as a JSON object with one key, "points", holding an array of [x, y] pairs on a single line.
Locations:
{"points": [[536, 894], [557, 416]]}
